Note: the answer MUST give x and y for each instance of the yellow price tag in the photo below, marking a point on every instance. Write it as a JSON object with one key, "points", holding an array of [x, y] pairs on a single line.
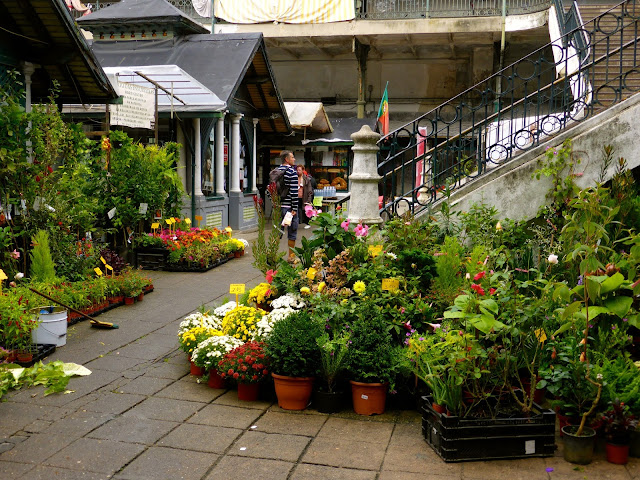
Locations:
{"points": [[237, 288], [155, 225], [167, 221], [228, 229], [317, 201], [103, 260], [542, 336], [98, 271], [199, 218], [390, 284], [187, 221], [108, 267]]}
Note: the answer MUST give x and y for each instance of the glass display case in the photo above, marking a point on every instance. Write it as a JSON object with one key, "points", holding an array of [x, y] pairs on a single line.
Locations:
{"points": [[330, 168]]}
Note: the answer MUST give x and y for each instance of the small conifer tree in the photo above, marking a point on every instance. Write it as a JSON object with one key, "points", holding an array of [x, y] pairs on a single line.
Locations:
{"points": [[42, 266]]}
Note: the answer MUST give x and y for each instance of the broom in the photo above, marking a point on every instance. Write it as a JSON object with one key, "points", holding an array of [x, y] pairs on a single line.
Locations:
{"points": [[94, 323]]}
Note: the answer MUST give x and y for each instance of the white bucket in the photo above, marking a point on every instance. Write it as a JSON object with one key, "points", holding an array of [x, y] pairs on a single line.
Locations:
{"points": [[53, 326]]}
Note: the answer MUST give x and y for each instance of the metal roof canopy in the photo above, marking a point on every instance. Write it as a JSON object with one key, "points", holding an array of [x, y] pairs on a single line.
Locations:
{"points": [[189, 95], [42, 32]]}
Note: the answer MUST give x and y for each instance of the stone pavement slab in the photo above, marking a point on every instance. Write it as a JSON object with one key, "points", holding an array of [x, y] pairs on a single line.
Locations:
{"points": [[305, 471], [91, 455], [188, 388], [143, 385], [78, 424], [361, 431], [14, 469], [165, 409], [276, 446], [159, 463], [37, 448], [242, 468], [115, 403], [167, 370], [280, 422], [417, 457], [344, 452], [43, 472], [134, 430], [230, 398], [224, 416], [200, 438]]}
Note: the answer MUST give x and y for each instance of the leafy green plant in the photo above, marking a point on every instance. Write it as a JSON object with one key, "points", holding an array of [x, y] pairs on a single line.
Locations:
{"points": [[265, 251], [333, 352], [292, 347], [54, 376], [42, 266]]}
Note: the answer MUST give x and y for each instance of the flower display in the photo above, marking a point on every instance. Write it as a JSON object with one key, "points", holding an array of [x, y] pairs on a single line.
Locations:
{"points": [[209, 352], [261, 293], [246, 363], [191, 338], [288, 301], [222, 310], [241, 322], [361, 230], [200, 319], [345, 225]]}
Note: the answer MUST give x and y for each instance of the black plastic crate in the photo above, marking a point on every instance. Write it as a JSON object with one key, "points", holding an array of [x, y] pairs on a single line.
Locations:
{"points": [[458, 439], [41, 350]]}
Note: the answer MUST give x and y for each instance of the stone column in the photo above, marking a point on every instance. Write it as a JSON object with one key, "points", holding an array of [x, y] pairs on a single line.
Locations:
{"points": [[28, 69], [182, 161], [254, 164], [234, 164], [364, 179], [197, 171], [220, 156]]}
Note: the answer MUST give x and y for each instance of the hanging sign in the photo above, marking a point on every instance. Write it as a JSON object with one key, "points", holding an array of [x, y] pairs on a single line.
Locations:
{"points": [[138, 106]]}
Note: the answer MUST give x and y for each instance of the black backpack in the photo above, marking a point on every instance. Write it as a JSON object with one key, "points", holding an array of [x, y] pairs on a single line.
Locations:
{"points": [[277, 176]]}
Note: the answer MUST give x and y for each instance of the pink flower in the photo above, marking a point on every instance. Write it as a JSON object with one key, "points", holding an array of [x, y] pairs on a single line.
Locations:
{"points": [[361, 230], [270, 274], [345, 225], [311, 212], [15, 254]]}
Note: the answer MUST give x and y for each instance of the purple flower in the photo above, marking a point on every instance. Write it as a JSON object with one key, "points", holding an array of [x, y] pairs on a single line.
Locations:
{"points": [[625, 319], [549, 469], [421, 339], [613, 327]]}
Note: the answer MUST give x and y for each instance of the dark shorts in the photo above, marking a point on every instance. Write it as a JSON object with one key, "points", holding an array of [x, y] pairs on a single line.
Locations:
{"points": [[292, 230]]}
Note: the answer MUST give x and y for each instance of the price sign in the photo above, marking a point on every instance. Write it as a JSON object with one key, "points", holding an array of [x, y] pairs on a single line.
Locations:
{"points": [[236, 288], [390, 284], [98, 271], [155, 225], [187, 221], [103, 260], [111, 213], [317, 201], [542, 336], [167, 221], [142, 210]]}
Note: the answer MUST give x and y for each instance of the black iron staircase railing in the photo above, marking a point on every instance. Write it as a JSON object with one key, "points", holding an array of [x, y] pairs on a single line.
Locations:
{"points": [[581, 72]]}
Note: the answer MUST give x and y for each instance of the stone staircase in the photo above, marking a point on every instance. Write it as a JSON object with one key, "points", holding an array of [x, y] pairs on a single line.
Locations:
{"points": [[617, 77]]}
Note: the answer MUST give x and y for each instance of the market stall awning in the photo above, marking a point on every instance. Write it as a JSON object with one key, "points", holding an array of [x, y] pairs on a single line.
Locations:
{"points": [[177, 90], [309, 116]]}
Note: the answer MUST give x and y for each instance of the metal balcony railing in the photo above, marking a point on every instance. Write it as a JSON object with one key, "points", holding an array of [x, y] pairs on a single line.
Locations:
{"points": [[397, 9], [591, 67]]}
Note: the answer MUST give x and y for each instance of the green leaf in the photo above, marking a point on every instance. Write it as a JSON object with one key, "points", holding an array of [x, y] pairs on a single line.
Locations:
{"points": [[486, 323], [562, 292], [490, 305], [571, 309], [563, 328], [593, 287], [619, 305], [461, 301], [594, 311], [612, 283]]}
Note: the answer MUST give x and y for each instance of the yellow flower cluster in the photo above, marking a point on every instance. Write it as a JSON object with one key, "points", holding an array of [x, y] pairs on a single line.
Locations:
{"points": [[375, 250], [236, 244], [261, 293], [241, 322], [359, 287], [192, 337]]}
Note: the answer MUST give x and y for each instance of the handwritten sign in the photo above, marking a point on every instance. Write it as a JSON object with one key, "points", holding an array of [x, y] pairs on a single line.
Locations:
{"points": [[143, 208], [542, 336], [167, 221], [98, 271], [317, 201], [155, 225], [111, 213], [103, 260], [390, 284], [236, 288]]}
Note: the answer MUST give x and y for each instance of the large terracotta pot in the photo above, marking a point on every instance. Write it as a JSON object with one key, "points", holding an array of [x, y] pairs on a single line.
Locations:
{"points": [[293, 392], [248, 392], [369, 398], [215, 380]]}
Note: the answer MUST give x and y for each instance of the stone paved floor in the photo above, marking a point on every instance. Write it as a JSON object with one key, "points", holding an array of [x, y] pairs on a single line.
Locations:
{"points": [[140, 415]]}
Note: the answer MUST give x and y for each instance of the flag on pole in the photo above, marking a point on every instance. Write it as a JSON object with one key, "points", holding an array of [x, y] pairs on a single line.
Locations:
{"points": [[383, 112]]}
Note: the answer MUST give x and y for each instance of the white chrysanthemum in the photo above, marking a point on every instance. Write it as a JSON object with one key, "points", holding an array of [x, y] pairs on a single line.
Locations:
{"points": [[199, 320], [244, 242], [210, 351], [265, 325], [289, 300], [392, 255], [224, 309]]}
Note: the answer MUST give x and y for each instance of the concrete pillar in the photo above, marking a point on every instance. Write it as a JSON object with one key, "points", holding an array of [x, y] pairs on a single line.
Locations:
{"points": [[219, 168], [28, 69], [254, 164], [197, 172], [234, 164], [364, 179]]}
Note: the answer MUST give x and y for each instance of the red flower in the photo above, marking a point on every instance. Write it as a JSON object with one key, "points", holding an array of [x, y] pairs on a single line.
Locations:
{"points": [[478, 289], [235, 375], [270, 275], [479, 275], [492, 291]]}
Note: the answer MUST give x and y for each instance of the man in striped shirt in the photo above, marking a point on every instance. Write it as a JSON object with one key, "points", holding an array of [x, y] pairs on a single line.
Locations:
{"points": [[290, 201]]}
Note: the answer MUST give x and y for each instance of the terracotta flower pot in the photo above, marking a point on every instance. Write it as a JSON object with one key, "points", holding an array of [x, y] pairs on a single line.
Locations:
{"points": [[293, 392], [196, 370], [618, 454], [439, 408], [129, 300], [24, 357], [369, 398], [215, 380], [237, 254], [248, 392], [141, 297]]}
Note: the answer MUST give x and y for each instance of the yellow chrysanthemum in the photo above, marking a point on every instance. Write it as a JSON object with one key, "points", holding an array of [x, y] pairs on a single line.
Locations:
{"points": [[359, 287], [344, 301], [321, 286], [305, 290], [375, 250], [311, 273]]}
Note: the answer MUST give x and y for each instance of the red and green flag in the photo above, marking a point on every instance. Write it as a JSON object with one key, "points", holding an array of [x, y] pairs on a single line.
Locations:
{"points": [[383, 112]]}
